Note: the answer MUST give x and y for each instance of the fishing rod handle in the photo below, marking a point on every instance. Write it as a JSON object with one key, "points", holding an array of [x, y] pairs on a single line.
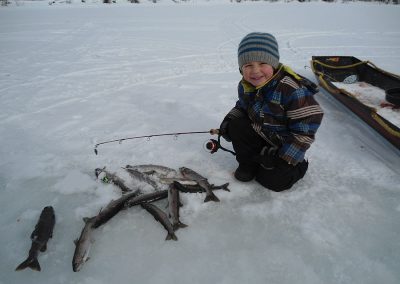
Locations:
{"points": [[214, 131]]}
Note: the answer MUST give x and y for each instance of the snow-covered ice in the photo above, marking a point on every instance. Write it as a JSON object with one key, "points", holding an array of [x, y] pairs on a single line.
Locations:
{"points": [[74, 75]]}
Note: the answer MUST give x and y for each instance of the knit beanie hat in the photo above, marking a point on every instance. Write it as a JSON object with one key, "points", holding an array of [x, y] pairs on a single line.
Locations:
{"points": [[261, 47]]}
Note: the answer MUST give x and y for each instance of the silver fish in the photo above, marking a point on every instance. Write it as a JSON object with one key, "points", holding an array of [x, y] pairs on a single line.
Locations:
{"points": [[148, 197], [142, 177], [161, 217], [173, 206], [41, 234], [83, 244], [108, 177], [182, 180], [202, 181], [194, 187], [158, 170], [112, 208]]}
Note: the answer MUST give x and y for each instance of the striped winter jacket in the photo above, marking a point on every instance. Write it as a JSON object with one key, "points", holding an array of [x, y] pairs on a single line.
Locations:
{"points": [[283, 112]]}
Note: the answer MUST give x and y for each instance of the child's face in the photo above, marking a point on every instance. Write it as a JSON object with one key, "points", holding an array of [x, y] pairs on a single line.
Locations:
{"points": [[257, 73]]}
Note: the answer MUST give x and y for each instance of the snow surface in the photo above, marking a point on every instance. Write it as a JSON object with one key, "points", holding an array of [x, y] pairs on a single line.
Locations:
{"points": [[75, 75]]}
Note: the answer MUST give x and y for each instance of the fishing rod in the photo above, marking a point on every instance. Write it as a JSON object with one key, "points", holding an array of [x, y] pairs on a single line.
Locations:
{"points": [[211, 131]]}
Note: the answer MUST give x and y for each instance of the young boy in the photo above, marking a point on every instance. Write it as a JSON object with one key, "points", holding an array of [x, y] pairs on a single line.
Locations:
{"points": [[275, 119]]}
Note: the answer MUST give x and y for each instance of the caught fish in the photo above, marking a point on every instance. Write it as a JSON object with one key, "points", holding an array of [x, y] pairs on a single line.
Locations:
{"points": [[158, 170], [148, 197], [142, 177], [182, 180], [202, 181], [173, 206], [194, 188], [113, 208], [83, 244], [41, 234], [161, 217], [108, 177]]}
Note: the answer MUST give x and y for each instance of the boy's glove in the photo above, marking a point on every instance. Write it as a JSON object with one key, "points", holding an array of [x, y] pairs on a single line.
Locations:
{"points": [[269, 159], [223, 129]]}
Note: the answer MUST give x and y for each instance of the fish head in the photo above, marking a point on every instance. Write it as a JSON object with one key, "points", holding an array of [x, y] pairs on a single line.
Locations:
{"points": [[98, 171], [76, 266], [184, 170]]}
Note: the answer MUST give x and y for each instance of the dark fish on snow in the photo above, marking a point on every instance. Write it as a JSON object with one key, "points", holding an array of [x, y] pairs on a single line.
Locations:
{"points": [[113, 208], [41, 234], [174, 204], [161, 217], [147, 197], [190, 188]]}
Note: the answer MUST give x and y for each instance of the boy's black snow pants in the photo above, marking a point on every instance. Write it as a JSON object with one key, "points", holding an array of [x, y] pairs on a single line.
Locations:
{"points": [[271, 171]]}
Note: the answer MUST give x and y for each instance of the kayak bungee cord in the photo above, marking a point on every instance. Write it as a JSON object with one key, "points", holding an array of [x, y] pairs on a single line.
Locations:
{"points": [[212, 145]]}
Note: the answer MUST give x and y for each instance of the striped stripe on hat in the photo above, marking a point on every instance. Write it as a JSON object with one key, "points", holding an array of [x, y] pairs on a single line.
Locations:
{"points": [[261, 47]]}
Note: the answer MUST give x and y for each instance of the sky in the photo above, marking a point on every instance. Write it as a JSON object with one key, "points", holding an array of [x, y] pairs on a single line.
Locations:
{"points": [[73, 75]]}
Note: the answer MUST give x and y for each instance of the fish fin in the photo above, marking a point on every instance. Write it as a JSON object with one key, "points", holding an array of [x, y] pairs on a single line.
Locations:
{"points": [[181, 225], [178, 226], [211, 197], [43, 248], [32, 263], [76, 241], [86, 219], [34, 233]]}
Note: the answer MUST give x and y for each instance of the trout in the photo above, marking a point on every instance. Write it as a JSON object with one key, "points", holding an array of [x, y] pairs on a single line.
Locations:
{"points": [[202, 181], [83, 244], [112, 208], [173, 206], [161, 217], [148, 197]]}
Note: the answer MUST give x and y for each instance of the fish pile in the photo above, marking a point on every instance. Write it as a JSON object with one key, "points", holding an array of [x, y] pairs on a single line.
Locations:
{"points": [[158, 177]]}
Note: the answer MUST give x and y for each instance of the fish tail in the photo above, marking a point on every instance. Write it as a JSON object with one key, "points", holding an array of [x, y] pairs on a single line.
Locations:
{"points": [[171, 236], [211, 197], [225, 186], [32, 263]]}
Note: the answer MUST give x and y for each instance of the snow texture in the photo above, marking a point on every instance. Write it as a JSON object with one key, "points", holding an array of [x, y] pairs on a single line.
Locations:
{"points": [[75, 75]]}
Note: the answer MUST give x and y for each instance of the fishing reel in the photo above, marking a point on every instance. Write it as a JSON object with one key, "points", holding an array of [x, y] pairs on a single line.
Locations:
{"points": [[213, 146]]}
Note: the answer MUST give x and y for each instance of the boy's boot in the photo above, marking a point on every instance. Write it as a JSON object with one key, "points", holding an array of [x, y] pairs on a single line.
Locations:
{"points": [[246, 172]]}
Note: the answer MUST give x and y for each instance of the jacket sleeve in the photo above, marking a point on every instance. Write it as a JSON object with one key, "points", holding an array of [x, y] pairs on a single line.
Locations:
{"points": [[304, 118], [239, 110]]}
